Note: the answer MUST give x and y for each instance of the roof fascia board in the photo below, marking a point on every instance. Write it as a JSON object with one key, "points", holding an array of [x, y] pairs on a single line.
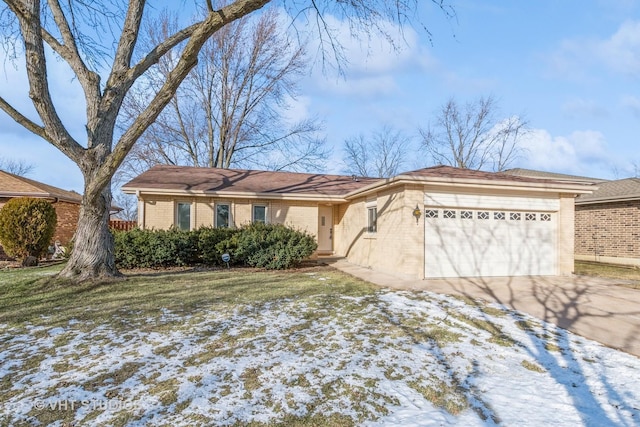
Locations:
{"points": [[475, 183], [233, 194], [629, 197], [40, 196]]}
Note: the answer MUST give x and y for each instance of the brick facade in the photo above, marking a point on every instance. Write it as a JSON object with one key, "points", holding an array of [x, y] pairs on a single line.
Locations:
{"points": [[608, 229], [68, 215]]}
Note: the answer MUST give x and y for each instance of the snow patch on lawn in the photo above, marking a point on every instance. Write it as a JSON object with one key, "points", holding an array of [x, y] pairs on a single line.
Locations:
{"points": [[395, 358]]}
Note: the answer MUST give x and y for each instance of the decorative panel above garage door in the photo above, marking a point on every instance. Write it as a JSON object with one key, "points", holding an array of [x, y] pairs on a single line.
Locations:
{"points": [[491, 241]]}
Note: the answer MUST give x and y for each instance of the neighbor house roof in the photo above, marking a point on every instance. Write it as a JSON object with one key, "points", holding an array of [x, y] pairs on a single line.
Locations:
{"points": [[551, 175], [212, 181], [613, 191], [181, 180], [18, 186]]}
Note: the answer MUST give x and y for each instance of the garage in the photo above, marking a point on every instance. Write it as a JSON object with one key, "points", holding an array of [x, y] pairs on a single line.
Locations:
{"points": [[469, 235]]}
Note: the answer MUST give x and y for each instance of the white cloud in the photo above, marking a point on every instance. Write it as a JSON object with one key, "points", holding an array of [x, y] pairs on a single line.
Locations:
{"points": [[580, 153], [372, 62], [619, 53]]}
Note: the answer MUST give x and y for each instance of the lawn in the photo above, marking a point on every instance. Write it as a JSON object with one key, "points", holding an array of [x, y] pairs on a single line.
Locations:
{"points": [[310, 347], [630, 275]]}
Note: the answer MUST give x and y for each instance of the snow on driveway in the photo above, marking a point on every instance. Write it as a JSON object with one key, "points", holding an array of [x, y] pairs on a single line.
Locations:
{"points": [[392, 358]]}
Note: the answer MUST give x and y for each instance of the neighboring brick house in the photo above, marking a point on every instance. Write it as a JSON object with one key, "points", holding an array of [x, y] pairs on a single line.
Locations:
{"points": [[608, 223], [66, 203], [429, 223]]}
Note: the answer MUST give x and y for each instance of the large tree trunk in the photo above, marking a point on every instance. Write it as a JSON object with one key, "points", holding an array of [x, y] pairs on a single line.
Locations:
{"points": [[93, 256]]}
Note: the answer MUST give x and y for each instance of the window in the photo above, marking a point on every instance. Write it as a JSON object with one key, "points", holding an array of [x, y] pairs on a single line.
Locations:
{"points": [[372, 219], [431, 213], [449, 214], [260, 213], [514, 216], [183, 216], [222, 215], [466, 214], [545, 217], [483, 215], [498, 216], [529, 216]]}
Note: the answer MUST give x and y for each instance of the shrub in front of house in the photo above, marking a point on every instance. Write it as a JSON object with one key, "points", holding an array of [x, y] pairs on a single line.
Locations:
{"points": [[213, 242], [155, 248], [27, 226], [273, 246]]}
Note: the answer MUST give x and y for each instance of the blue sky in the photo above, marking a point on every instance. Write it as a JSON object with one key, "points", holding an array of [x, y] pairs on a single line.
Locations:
{"points": [[572, 67]]}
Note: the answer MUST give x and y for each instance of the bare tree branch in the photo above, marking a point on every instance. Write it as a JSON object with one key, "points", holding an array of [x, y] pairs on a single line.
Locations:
{"points": [[29, 20], [380, 155], [471, 137], [228, 111]]}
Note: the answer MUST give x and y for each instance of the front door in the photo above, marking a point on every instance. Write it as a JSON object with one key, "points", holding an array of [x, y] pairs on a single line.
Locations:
{"points": [[325, 229]]}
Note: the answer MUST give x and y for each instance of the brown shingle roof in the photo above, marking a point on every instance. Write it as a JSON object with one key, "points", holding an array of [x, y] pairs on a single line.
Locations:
{"points": [[458, 173], [551, 175], [212, 180], [626, 189], [17, 186]]}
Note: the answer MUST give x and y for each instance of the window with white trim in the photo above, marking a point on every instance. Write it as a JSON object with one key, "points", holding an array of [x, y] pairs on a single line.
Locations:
{"points": [[259, 214], [183, 216], [223, 215]]}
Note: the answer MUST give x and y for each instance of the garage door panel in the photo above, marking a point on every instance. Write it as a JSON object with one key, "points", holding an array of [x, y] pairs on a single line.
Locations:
{"points": [[481, 244]]}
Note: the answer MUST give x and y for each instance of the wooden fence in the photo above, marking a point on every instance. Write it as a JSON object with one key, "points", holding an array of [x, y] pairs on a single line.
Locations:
{"points": [[120, 225]]}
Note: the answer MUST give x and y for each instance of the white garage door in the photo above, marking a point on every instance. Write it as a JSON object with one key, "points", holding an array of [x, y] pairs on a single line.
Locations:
{"points": [[465, 242]]}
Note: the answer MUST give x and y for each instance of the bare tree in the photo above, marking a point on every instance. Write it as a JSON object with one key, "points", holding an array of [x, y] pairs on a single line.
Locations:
{"points": [[228, 112], [98, 39], [472, 137], [379, 155], [16, 167]]}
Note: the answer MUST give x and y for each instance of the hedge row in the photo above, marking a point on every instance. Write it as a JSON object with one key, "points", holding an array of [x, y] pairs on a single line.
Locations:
{"points": [[271, 246]]}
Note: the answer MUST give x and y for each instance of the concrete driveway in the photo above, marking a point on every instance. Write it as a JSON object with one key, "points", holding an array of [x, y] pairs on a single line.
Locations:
{"points": [[595, 308]]}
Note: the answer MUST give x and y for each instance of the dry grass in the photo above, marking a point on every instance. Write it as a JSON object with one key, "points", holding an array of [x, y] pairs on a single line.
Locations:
{"points": [[631, 275]]}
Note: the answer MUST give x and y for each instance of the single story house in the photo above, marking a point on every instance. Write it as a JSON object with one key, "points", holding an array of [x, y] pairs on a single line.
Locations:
{"points": [[66, 203], [608, 223], [429, 223]]}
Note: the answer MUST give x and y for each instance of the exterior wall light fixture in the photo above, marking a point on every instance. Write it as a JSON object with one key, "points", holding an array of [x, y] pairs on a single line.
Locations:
{"points": [[417, 213]]}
